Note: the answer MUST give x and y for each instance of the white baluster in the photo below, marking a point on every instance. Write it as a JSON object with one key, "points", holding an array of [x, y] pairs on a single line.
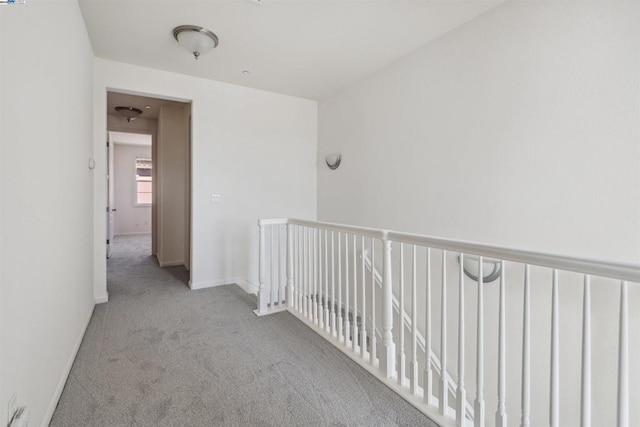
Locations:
{"points": [[443, 398], [526, 348], [262, 270], [333, 288], [347, 323], [478, 411], [314, 291], [428, 371], [501, 413], [623, 359], [340, 324], [281, 280], [388, 357], [326, 279], [305, 270], [461, 395], [355, 295], [414, 323], [273, 284], [401, 357], [374, 339], [363, 329], [289, 249], [300, 268], [585, 398], [320, 283], [309, 259], [554, 406]]}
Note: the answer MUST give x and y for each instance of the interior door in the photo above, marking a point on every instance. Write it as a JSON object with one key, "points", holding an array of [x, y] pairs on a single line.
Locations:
{"points": [[111, 209]]}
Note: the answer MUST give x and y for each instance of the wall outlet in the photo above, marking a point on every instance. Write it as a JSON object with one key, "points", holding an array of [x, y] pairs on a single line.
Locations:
{"points": [[12, 408], [215, 198]]}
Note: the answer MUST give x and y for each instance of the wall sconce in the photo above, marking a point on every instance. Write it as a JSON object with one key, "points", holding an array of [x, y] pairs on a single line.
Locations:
{"points": [[333, 161], [491, 269]]}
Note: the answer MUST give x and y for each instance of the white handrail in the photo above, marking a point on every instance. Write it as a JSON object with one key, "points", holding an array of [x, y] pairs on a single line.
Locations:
{"points": [[614, 270]]}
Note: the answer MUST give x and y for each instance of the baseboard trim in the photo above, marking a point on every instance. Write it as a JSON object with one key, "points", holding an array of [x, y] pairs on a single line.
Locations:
{"points": [[170, 263], [100, 299], [246, 285], [65, 375], [133, 233]]}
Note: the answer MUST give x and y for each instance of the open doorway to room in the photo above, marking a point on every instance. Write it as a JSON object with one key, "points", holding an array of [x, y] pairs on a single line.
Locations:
{"points": [[149, 186]]}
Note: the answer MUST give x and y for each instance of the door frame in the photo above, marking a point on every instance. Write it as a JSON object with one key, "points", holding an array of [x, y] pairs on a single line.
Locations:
{"points": [[100, 293]]}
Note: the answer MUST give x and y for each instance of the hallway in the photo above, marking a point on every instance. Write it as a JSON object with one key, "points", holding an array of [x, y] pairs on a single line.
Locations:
{"points": [[159, 354]]}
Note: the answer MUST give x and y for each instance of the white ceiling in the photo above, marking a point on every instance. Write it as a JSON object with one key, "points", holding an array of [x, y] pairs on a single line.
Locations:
{"points": [[306, 48]]}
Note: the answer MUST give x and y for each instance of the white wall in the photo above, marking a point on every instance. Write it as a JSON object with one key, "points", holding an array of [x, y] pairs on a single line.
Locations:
{"points": [[519, 128], [173, 190], [257, 149], [129, 218], [47, 224]]}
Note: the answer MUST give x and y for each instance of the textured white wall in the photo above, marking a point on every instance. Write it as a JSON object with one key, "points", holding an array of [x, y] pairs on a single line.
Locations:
{"points": [[519, 128], [47, 224], [257, 149], [129, 219]]}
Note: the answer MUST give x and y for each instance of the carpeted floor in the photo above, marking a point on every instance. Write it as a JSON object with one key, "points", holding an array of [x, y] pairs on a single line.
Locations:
{"points": [[159, 354]]}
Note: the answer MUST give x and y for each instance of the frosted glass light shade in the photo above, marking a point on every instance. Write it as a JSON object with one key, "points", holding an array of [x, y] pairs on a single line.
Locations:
{"points": [[196, 40]]}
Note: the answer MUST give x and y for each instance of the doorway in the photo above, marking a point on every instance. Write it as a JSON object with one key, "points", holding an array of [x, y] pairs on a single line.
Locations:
{"points": [[149, 179]]}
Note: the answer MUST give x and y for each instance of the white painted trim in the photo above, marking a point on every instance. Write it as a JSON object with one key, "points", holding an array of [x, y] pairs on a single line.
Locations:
{"points": [[65, 375], [100, 299], [207, 284], [133, 233], [247, 285], [170, 263]]}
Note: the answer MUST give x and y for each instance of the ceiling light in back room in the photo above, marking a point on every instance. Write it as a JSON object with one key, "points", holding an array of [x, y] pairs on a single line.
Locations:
{"points": [[129, 113]]}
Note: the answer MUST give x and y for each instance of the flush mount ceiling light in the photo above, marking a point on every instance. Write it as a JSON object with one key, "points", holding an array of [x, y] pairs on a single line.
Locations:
{"points": [[196, 40], [129, 113]]}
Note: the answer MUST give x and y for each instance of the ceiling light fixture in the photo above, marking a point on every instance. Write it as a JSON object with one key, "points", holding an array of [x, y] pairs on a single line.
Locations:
{"points": [[129, 113], [196, 40]]}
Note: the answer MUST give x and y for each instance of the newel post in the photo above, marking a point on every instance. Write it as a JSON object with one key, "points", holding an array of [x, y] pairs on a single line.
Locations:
{"points": [[388, 356], [289, 265], [262, 270]]}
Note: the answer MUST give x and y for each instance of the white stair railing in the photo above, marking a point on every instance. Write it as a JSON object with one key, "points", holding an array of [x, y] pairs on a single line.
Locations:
{"points": [[323, 271]]}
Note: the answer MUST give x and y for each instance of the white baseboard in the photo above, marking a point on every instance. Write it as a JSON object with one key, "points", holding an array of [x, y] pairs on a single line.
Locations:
{"points": [[211, 283], [65, 374], [170, 263], [133, 233], [100, 299], [248, 286]]}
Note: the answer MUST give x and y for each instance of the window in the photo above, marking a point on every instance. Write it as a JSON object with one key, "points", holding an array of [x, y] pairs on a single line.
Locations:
{"points": [[143, 182]]}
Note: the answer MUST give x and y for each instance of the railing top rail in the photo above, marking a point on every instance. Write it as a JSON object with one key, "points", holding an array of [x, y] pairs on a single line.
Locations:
{"points": [[364, 231], [620, 271]]}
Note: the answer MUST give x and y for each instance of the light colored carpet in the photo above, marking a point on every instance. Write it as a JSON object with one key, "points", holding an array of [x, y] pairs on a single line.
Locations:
{"points": [[159, 354]]}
